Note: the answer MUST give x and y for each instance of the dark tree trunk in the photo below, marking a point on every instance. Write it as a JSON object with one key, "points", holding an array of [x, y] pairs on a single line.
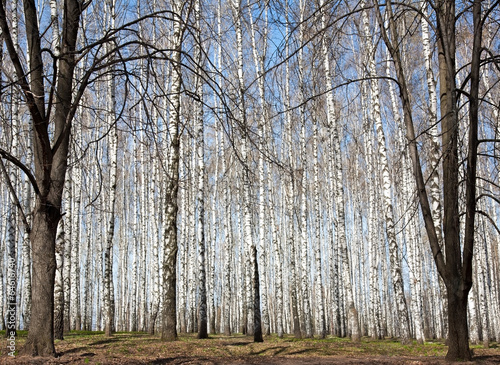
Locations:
{"points": [[295, 314], [40, 341], [458, 330], [257, 334], [50, 159], [152, 321], [169, 317], [456, 267]]}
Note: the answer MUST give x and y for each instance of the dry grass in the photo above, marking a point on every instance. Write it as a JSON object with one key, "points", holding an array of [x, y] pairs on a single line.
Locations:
{"points": [[141, 348]]}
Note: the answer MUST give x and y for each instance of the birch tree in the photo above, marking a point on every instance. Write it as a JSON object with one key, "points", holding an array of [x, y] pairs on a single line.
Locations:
{"points": [[59, 285], [109, 302], [169, 317], [396, 270], [200, 194], [291, 189]]}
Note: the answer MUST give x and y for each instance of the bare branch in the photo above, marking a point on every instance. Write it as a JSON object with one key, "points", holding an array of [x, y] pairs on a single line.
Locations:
{"points": [[23, 167], [14, 198]]}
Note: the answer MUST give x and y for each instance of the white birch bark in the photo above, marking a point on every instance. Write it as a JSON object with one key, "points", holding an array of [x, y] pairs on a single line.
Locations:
{"points": [[241, 299], [303, 187], [372, 219], [335, 290], [226, 203], [492, 251], [259, 67], [67, 252], [109, 310], [227, 242], [26, 249], [304, 236], [253, 323], [192, 323], [481, 262], [473, 315], [59, 284], [12, 278], [3, 285], [277, 259], [169, 320], [200, 193], [435, 194], [133, 323], [183, 247], [435, 151], [396, 271], [212, 251], [413, 244], [494, 264], [143, 235], [75, 307], [54, 19], [12, 263], [335, 159], [89, 285], [294, 288], [319, 297], [155, 256]]}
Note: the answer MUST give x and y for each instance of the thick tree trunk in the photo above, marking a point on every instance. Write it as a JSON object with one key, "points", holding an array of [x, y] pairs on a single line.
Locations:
{"points": [[40, 341], [458, 331], [169, 315]]}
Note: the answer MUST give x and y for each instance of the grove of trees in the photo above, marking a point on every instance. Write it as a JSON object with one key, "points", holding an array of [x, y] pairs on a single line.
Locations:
{"points": [[291, 167]]}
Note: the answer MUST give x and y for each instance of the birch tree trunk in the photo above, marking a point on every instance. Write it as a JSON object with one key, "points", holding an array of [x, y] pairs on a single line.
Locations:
{"points": [[435, 150], [59, 284], [253, 310], [396, 270], [481, 262], [303, 187], [373, 251], [67, 254], [169, 317], [408, 190], [155, 256], [291, 191], [200, 195], [259, 67], [12, 275], [76, 189], [321, 321], [227, 244]]}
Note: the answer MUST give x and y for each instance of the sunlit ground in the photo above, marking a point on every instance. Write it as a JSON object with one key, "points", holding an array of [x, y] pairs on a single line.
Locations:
{"points": [[140, 348]]}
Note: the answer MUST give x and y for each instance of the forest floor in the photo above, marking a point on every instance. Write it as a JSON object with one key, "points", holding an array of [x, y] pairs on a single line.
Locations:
{"points": [[140, 348]]}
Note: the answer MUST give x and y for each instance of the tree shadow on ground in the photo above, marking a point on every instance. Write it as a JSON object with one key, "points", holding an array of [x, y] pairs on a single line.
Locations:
{"points": [[72, 351], [270, 351], [183, 360], [106, 341]]}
